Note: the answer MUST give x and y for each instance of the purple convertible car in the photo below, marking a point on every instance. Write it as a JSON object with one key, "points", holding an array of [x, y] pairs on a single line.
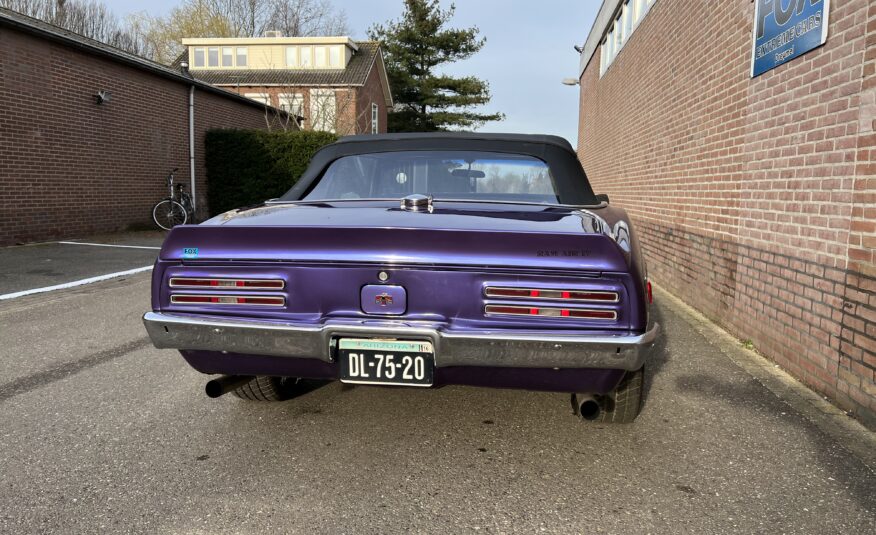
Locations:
{"points": [[417, 260]]}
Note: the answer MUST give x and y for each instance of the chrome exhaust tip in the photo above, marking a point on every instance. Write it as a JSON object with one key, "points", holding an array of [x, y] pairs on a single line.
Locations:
{"points": [[586, 406]]}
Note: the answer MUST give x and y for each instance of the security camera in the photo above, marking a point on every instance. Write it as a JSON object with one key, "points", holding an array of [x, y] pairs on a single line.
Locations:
{"points": [[103, 96]]}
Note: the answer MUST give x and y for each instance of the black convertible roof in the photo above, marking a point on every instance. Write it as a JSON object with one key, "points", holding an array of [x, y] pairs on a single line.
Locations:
{"points": [[569, 177], [526, 138]]}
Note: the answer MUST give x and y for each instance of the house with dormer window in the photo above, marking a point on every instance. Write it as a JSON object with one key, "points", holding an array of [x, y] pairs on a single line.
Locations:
{"points": [[332, 84]]}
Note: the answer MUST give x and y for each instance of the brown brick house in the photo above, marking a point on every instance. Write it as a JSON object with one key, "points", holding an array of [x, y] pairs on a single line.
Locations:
{"points": [[71, 163], [754, 190], [332, 83]]}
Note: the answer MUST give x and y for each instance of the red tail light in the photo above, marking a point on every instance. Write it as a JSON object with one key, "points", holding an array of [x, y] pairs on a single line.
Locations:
{"points": [[650, 293], [552, 312], [592, 296], [228, 300], [249, 284]]}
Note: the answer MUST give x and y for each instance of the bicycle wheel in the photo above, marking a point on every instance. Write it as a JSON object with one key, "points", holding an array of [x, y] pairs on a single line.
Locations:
{"points": [[168, 214], [186, 201]]}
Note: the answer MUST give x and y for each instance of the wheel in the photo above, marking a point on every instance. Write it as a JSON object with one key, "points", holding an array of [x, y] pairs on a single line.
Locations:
{"points": [[621, 406], [269, 388], [168, 214]]}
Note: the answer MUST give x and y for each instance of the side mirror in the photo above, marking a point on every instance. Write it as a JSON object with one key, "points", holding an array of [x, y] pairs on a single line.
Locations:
{"points": [[602, 197]]}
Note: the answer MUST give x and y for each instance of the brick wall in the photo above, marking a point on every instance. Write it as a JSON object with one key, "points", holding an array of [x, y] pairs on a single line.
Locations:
{"points": [[755, 198], [69, 167]]}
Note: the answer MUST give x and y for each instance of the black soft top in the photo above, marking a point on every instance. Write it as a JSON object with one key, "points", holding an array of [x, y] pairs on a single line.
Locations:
{"points": [[571, 182]]}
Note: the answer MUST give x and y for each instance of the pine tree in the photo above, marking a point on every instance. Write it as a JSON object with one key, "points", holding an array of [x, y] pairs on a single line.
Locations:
{"points": [[414, 47]]}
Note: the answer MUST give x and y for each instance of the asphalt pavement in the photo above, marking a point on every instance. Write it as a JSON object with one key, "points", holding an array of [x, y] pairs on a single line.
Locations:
{"points": [[101, 433], [40, 265]]}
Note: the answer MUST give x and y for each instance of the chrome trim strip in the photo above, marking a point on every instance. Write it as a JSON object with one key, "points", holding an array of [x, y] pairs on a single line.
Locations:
{"points": [[173, 283], [560, 299], [173, 299], [498, 348]]}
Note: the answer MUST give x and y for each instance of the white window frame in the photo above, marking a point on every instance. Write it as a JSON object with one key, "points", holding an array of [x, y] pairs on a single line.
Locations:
{"points": [[292, 103], [264, 98], [210, 51], [305, 57], [320, 57], [203, 53], [241, 52], [291, 56], [335, 60], [230, 56], [375, 118], [321, 119], [623, 25]]}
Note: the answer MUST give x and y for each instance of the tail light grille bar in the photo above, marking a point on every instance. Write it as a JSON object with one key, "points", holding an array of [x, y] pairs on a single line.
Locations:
{"points": [[262, 300], [553, 312], [248, 284], [579, 296]]}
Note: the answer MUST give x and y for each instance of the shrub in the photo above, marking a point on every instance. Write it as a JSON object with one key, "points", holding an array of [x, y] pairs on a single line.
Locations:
{"points": [[246, 167]]}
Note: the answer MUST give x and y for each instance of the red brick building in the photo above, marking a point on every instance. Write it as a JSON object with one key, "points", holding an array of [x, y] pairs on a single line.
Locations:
{"points": [[333, 84], [755, 196], [70, 165]]}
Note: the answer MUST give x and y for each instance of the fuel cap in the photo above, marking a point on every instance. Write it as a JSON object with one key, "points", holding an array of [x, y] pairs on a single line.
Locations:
{"points": [[417, 203]]}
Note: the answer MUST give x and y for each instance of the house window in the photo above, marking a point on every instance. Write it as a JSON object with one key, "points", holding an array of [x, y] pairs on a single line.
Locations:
{"points": [[375, 117], [264, 98], [213, 56], [291, 56], [293, 103], [199, 57], [621, 29], [242, 53], [227, 56], [323, 109], [335, 57], [320, 56], [305, 59]]}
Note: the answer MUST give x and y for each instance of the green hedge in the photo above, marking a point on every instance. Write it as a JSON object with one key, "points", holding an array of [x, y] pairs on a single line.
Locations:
{"points": [[246, 167]]}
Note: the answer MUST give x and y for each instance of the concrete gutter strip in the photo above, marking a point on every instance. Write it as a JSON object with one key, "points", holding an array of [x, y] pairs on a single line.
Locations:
{"points": [[828, 418]]}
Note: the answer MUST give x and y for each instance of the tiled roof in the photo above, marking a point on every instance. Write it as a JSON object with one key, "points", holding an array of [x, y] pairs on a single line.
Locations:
{"points": [[355, 74], [49, 31]]}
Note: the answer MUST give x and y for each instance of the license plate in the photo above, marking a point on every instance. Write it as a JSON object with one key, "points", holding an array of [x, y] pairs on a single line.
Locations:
{"points": [[386, 362]]}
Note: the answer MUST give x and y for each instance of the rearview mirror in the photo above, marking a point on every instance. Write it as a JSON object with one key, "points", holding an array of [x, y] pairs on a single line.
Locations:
{"points": [[465, 173], [602, 197]]}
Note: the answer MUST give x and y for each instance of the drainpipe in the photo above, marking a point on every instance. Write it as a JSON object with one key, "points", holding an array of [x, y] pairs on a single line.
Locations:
{"points": [[192, 145], [184, 66]]}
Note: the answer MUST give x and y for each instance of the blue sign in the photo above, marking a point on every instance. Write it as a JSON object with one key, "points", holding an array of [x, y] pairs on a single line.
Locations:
{"points": [[785, 29]]}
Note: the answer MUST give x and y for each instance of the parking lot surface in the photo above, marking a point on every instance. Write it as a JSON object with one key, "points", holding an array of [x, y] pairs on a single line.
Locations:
{"points": [[99, 433], [40, 265]]}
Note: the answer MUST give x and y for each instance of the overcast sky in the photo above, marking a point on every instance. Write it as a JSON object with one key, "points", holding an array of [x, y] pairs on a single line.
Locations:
{"points": [[528, 53]]}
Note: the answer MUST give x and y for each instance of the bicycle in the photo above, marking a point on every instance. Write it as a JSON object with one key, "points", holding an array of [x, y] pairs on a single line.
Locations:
{"points": [[174, 210]]}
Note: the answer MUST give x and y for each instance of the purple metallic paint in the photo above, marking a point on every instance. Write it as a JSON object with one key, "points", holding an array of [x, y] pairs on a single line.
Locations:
{"points": [[328, 253]]}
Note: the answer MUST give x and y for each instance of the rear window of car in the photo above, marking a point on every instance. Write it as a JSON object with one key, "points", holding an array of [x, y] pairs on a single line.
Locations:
{"points": [[446, 175]]}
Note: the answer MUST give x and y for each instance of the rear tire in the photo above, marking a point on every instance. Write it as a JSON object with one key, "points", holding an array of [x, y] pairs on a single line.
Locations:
{"points": [[624, 404], [268, 388]]}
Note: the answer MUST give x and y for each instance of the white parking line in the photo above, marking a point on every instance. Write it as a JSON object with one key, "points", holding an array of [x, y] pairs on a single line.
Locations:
{"points": [[108, 245], [74, 283]]}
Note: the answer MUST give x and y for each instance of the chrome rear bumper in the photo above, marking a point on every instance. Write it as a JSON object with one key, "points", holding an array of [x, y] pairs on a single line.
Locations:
{"points": [[517, 349]]}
